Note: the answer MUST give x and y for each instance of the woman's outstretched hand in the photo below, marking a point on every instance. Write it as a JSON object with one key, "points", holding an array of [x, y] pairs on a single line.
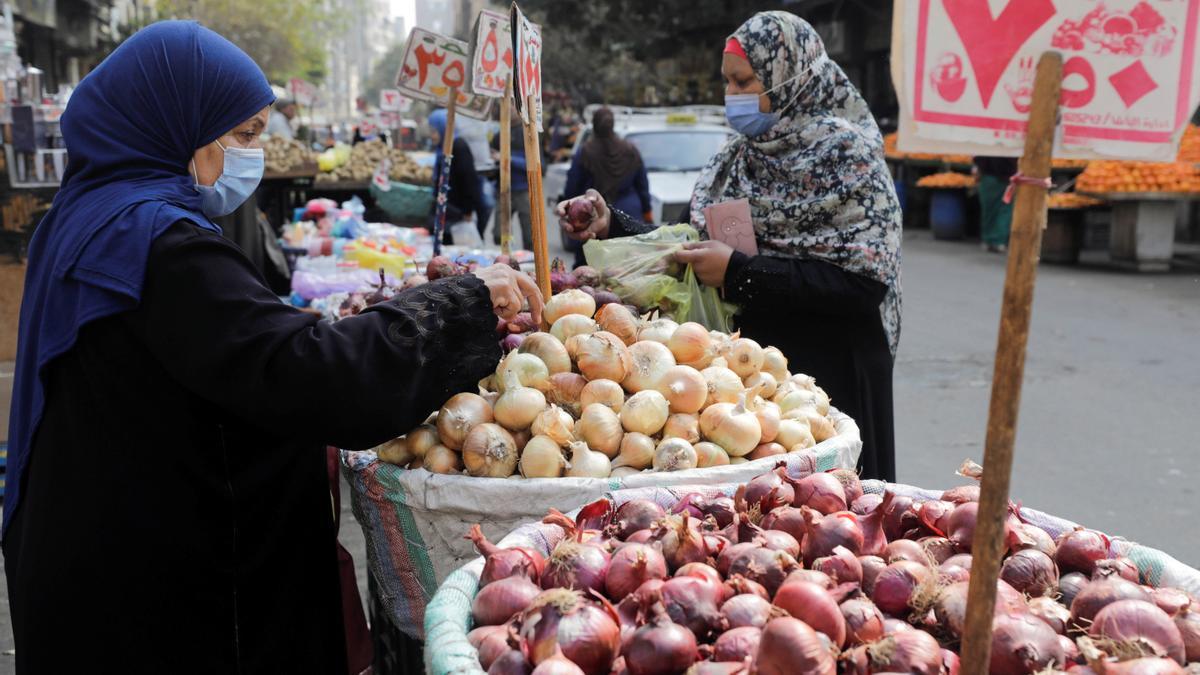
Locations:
{"points": [[510, 290], [596, 229], [709, 259]]}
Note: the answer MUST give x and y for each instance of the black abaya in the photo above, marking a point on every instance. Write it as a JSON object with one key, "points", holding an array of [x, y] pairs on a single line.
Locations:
{"points": [[176, 514]]}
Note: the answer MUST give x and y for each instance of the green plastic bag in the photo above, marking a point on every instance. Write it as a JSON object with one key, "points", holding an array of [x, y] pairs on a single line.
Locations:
{"points": [[640, 271]]}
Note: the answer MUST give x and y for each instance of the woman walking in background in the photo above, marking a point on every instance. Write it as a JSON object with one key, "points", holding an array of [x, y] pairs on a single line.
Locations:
{"points": [[995, 215]]}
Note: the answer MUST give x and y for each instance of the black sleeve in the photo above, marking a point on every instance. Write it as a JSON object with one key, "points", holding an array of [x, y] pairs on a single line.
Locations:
{"points": [[212, 324], [465, 178], [802, 284], [621, 224]]}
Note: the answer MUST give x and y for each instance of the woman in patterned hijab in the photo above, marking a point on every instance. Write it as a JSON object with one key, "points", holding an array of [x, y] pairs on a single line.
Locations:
{"points": [[825, 284]]}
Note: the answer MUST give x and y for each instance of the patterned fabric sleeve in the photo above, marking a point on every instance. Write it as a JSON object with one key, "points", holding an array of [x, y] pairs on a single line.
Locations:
{"points": [[622, 224]]}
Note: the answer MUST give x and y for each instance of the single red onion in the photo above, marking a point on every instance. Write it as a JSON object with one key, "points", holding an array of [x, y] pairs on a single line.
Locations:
{"points": [[905, 549], [851, 484], [960, 526], [949, 574], [790, 646], [737, 644], [661, 647], [1188, 623], [746, 610], [1024, 644], [1052, 612], [1120, 566], [934, 515], [842, 566], [580, 212], [586, 276], [631, 566], [1038, 538], [765, 566], [682, 540], [781, 541], [940, 549], [874, 538], [500, 600], [721, 508], [865, 504], [896, 584], [725, 558], [962, 560], [576, 565], [908, 651], [560, 619], [951, 606], [708, 574], [694, 604], [1079, 549], [640, 537], [814, 606], [501, 563], [864, 621], [899, 517], [872, 565], [634, 515], [825, 533], [820, 491], [760, 488], [511, 662], [1031, 572], [787, 519], [490, 642], [1141, 625], [1101, 593], [737, 584], [1069, 586]]}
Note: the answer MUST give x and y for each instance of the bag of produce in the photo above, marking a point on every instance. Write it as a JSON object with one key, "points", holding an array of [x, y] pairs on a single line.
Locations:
{"points": [[640, 271]]}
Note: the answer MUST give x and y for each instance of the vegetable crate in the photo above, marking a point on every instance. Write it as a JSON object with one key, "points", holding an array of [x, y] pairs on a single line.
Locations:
{"points": [[415, 522]]}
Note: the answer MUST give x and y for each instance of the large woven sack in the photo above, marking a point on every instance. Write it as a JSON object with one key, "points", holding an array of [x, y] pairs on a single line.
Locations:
{"points": [[448, 617], [414, 522]]}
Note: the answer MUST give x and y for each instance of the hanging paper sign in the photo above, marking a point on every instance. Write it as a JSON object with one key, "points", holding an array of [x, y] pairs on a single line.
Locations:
{"points": [[434, 64], [527, 46], [389, 119], [492, 53], [391, 100], [964, 71], [303, 93], [380, 179]]}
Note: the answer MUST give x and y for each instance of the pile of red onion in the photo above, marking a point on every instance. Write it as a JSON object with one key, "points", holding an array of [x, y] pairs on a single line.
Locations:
{"points": [[810, 575]]}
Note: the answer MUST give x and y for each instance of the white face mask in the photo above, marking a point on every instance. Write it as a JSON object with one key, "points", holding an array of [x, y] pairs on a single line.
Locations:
{"points": [[240, 174]]}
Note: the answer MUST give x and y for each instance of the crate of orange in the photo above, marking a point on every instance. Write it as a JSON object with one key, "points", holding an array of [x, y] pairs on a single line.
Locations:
{"points": [[1116, 180], [947, 180]]}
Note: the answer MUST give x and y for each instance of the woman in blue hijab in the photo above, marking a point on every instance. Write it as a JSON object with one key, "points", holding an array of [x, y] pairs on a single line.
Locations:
{"points": [[465, 198], [167, 506]]}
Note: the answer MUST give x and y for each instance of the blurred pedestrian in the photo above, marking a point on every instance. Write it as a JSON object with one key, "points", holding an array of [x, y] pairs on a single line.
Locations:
{"points": [[464, 202], [280, 124], [825, 284], [518, 183], [994, 214]]}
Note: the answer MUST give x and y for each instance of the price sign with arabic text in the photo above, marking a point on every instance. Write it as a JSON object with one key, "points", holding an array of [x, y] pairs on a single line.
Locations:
{"points": [[527, 46], [432, 65], [392, 100], [492, 59], [963, 70]]}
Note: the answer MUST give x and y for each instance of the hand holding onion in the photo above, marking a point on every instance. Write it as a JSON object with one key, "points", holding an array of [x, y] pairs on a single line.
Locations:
{"points": [[510, 290], [584, 218]]}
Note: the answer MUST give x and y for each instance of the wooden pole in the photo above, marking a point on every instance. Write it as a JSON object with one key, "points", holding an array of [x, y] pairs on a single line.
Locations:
{"points": [[504, 222], [439, 220], [537, 212], [1029, 219]]}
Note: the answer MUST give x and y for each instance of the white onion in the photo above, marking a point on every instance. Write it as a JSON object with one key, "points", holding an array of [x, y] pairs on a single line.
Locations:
{"points": [[601, 429], [794, 432], [571, 325], [775, 363], [690, 343], [720, 341], [710, 454], [682, 425], [395, 452], [542, 458], [421, 439], [659, 330], [685, 388], [738, 460], [586, 463], [798, 399], [724, 385], [822, 428], [769, 418], [745, 357], [600, 356], [732, 427], [637, 452], [616, 318], [440, 459], [518, 406], [570, 301], [555, 423], [763, 382], [490, 452], [645, 412], [718, 362], [461, 414], [547, 348], [565, 389], [605, 392], [805, 381], [651, 360], [822, 400], [530, 370], [674, 454]]}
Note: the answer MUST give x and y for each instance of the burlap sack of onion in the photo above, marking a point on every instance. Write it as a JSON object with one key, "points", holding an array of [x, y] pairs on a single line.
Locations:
{"points": [[605, 393]]}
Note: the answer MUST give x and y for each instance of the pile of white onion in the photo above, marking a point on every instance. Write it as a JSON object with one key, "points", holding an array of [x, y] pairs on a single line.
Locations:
{"points": [[605, 393]]}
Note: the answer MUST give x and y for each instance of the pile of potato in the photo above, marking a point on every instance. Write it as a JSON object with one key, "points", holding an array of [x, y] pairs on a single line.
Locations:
{"points": [[284, 155], [364, 161]]}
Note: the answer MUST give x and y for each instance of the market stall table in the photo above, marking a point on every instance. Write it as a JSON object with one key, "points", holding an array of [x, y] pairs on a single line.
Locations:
{"points": [[1143, 228]]}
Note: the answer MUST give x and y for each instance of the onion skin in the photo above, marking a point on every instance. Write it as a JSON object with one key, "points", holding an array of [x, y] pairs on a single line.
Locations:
{"points": [[764, 566], [694, 604], [1051, 612], [787, 519], [906, 651], [865, 504], [1099, 594], [872, 565], [825, 533], [1079, 550], [904, 549], [789, 646], [1122, 567], [576, 566], [660, 647], [460, 414], [1069, 586], [1031, 572], [746, 610], [1024, 644], [737, 644], [951, 606], [630, 566], [634, 515], [490, 641], [842, 566], [895, 585], [1143, 666], [814, 606], [503, 599], [1141, 622], [864, 621], [759, 489], [560, 620], [1188, 623], [821, 492], [616, 319], [501, 563]]}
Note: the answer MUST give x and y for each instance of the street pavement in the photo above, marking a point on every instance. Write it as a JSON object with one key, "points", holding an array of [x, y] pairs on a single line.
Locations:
{"points": [[1109, 417]]}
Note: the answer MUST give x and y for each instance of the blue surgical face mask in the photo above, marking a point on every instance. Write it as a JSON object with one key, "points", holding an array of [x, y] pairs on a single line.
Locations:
{"points": [[240, 175], [742, 109]]}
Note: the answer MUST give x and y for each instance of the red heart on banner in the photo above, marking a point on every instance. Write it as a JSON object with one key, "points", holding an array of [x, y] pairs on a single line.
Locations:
{"points": [[991, 43]]}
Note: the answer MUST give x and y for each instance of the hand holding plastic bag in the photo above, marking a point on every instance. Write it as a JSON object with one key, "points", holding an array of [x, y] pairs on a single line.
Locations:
{"points": [[640, 271]]}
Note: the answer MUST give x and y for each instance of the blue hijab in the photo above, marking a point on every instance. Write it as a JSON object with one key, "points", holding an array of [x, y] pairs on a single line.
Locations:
{"points": [[437, 120], [130, 128]]}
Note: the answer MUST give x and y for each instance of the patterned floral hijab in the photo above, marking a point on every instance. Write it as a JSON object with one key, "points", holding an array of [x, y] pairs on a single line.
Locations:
{"points": [[817, 182]]}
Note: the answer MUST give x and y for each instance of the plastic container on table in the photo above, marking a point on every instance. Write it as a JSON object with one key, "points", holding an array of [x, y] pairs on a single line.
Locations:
{"points": [[448, 617], [414, 522], [948, 214]]}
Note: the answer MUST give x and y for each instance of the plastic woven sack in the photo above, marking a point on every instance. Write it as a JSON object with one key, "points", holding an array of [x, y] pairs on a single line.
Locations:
{"points": [[640, 271], [448, 617], [404, 201], [414, 522]]}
